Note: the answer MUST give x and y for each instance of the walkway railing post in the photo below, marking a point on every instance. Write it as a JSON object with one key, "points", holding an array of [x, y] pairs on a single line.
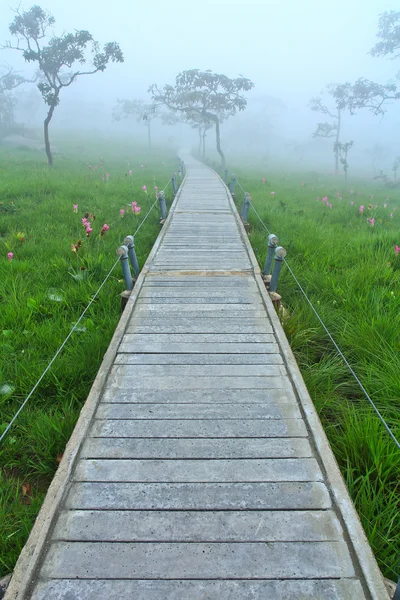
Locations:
{"points": [[225, 175], [129, 241], [174, 184], [246, 206], [163, 205], [272, 244], [122, 252], [232, 184], [280, 254], [183, 168]]}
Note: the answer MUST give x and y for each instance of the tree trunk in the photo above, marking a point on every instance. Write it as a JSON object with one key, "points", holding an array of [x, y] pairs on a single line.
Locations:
{"points": [[46, 135], [218, 140], [199, 130], [337, 143], [148, 132], [204, 144]]}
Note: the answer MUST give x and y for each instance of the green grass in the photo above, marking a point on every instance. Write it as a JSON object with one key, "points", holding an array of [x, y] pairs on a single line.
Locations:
{"points": [[351, 273], [45, 288]]}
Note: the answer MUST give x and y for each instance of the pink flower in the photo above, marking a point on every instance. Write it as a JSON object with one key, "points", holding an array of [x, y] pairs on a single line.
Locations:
{"points": [[107, 176], [263, 180], [137, 209], [10, 255], [330, 205], [156, 188], [397, 249], [371, 222], [272, 194], [75, 208], [325, 199], [105, 227], [391, 215], [361, 209], [130, 172], [85, 222], [88, 231], [122, 212], [144, 188]]}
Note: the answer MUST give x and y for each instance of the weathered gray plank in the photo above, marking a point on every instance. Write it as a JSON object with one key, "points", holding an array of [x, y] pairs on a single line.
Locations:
{"points": [[204, 348], [199, 338], [240, 360], [202, 428], [178, 325], [220, 396], [197, 411], [278, 560], [198, 496], [208, 371], [188, 470], [198, 526], [196, 448], [124, 376], [72, 589]]}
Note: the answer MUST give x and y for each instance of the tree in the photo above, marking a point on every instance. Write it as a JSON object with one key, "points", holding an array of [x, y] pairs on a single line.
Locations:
{"points": [[144, 113], [9, 80], [396, 165], [389, 34], [371, 95], [60, 59], [205, 96], [342, 150], [340, 94]]}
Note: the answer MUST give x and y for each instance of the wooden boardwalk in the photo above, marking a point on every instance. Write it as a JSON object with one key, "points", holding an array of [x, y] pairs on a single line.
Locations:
{"points": [[199, 469]]}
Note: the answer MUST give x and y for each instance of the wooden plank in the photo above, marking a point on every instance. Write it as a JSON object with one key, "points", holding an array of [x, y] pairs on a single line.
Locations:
{"points": [[128, 589], [242, 360], [280, 560], [196, 448], [200, 428], [211, 348], [206, 526], [197, 411]]}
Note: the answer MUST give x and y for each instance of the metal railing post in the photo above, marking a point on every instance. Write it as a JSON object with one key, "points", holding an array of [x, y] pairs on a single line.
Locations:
{"points": [[246, 206], [232, 184], [129, 241], [280, 254], [163, 205], [122, 252], [272, 244], [225, 175], [174, 184]]}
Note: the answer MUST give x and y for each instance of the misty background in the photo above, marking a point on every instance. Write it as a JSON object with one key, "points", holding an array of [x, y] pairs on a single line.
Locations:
{"points": [[291, 50]]}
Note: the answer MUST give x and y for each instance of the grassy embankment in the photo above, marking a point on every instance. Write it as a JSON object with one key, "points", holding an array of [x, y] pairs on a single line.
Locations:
{"points": [[45, 286], [349, 268]]}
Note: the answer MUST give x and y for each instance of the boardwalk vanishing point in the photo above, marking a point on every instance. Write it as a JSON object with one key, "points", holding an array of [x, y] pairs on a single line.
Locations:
{"points": [[198, 469]]}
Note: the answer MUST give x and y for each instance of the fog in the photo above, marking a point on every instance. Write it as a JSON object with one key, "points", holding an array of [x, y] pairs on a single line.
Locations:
{"points": [[290, 49]]}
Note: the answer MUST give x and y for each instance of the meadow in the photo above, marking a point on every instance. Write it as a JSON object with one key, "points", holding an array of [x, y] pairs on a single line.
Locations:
{"points": [[51, 264], [343, 245]]}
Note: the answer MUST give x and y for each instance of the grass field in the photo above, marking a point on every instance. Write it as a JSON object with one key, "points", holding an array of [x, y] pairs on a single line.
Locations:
{"points": [[348, 262], [45, 286]]}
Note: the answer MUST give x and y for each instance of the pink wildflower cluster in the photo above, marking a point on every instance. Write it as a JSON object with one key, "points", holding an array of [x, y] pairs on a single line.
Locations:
{"points": [[87, 225], [10, 255], [326, 202], [75, 208], [135, 208], [272, 194], [104, 229], [371, 221], [397, 249]]}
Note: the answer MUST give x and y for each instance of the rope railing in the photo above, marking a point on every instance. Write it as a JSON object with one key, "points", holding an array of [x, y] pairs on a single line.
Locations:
{"points": [[59, 350], [341, 354]]}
